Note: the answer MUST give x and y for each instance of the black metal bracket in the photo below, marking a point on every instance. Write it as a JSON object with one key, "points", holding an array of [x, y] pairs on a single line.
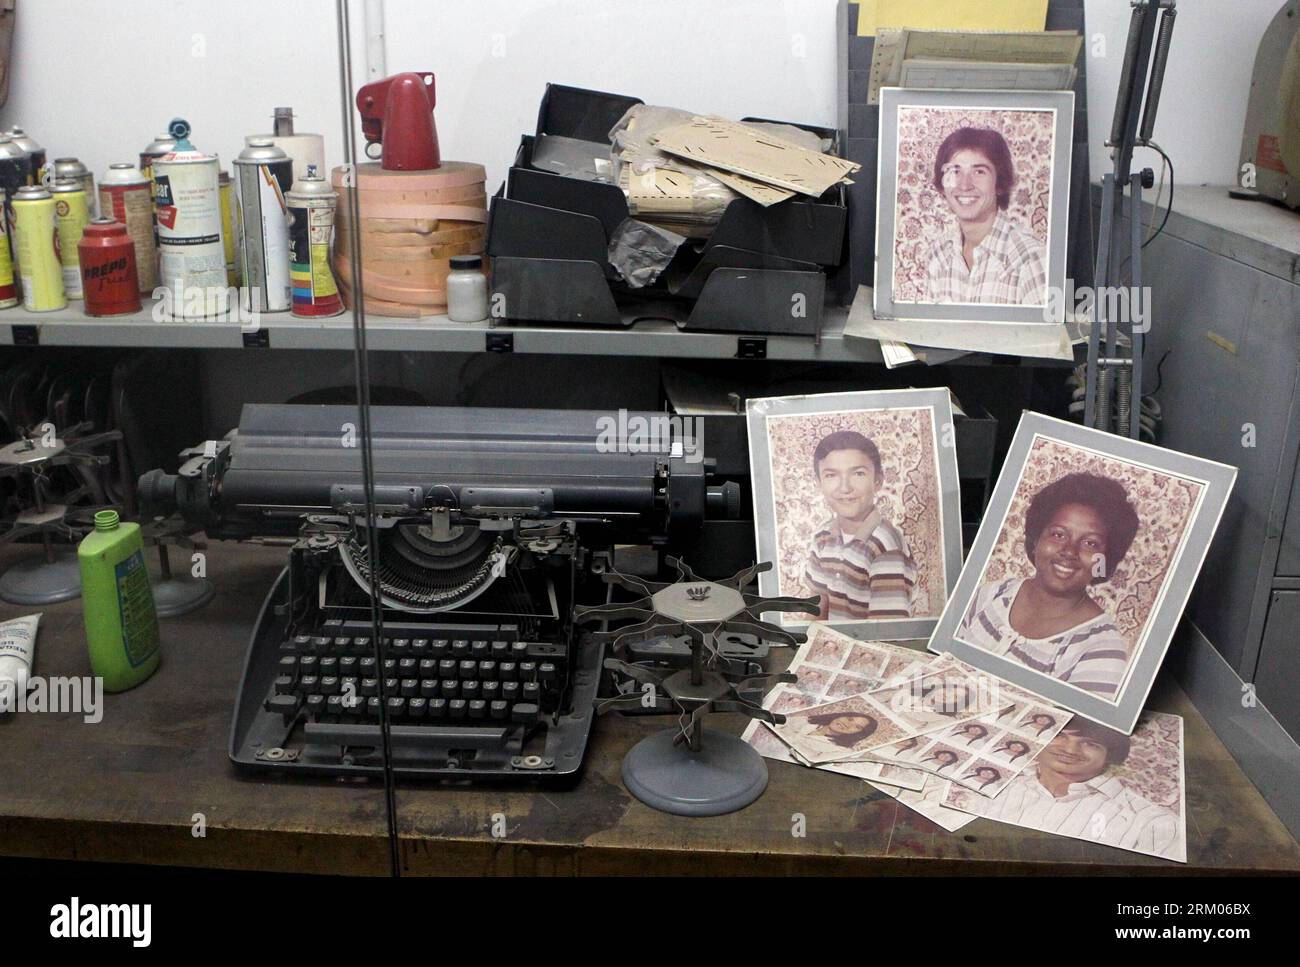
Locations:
{"points": [[26, 335], [257, 339], [751, 348], [499, 342]]}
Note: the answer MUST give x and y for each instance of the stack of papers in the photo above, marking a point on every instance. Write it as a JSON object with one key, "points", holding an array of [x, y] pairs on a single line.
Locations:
{"points": [[753, 162], [953, 744]]}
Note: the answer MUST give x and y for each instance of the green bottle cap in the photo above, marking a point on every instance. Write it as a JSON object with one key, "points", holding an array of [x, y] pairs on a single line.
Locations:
{"points": [[105, 520]]}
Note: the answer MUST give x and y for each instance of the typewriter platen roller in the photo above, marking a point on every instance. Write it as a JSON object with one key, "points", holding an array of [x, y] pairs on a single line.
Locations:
{"points": [[490, 524]]}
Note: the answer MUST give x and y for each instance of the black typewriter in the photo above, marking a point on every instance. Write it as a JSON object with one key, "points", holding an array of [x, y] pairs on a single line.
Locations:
{"points": [[489, 526]]}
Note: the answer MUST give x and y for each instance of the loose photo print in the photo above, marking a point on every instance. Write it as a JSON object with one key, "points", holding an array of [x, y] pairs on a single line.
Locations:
{"points": [[856, 501], [936, 697], [1082, 567], [1097, 784], [831, 665], [973, 204], [982, 754]]}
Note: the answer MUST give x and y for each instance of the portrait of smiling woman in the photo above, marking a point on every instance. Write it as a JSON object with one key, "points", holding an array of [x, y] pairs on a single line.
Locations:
{"points": [[1077, 530], [1082, 564]]}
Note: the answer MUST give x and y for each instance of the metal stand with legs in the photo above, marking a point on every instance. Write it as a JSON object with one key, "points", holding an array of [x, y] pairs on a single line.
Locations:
{"points": [[688, 770], [1114, 385]]}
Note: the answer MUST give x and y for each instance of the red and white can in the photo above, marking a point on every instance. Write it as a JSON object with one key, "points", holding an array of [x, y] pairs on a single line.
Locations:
{"points": [[108, 272], [126, 196]]}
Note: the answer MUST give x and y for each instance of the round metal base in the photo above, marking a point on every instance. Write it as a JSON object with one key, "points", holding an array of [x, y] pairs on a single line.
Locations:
{"points": [[177, 596], [725, 775], [38, 581]]}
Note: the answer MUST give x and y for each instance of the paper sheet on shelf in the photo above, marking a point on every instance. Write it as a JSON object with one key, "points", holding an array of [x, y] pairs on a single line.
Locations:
{"points": [[736, 147], [1041, 340], [1028, 47], [952, 15], [757, 191]]}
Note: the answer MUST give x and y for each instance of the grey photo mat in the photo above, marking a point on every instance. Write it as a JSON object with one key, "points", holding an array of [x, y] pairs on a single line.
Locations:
{"points": [[1121, 714], [891, 99], [765, 530]]}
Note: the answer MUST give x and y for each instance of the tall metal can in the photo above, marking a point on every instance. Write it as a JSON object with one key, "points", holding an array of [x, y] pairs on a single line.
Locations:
{"points": [[160, 146], [126, 196], [163, 144], [72, 210], [35, 154], [229, 228], [8, 283], [37, 243], [15, 166], [191, 258], [263, 175], [311, 227], [108, 277], [71, 169]]}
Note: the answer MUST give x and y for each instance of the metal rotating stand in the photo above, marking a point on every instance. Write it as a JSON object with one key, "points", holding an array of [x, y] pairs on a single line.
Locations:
{"points": [[175, 594], [54, 575], [688, 770]]}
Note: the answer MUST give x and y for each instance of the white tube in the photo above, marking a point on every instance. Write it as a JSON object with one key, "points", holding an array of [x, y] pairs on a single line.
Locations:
{"points": [[17, 648]]}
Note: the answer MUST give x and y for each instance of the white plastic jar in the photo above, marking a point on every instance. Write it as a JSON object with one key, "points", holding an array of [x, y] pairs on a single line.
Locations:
{"points": [[467, 299]]}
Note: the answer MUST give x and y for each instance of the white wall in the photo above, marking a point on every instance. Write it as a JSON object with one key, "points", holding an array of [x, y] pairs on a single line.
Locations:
{"points": [[100, 86]]}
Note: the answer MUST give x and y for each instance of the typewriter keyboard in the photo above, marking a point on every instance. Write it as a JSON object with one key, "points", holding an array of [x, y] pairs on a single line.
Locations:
{"points": [[333, 678]]}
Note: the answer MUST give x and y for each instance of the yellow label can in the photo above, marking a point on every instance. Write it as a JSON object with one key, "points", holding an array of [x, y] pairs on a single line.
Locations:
{"points": [[36, 240], [72, 209], [228, 233]]}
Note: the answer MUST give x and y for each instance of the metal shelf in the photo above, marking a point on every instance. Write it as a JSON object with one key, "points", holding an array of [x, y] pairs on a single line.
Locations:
{"points": [[646, 337]]}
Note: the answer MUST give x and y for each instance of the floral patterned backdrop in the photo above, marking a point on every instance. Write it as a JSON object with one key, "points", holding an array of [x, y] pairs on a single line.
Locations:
{"points": [[1155, 759], [909, 495], [921, 216], [1164, 505]]}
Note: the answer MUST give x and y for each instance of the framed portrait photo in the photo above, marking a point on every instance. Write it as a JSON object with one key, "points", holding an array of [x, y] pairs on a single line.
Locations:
{"points": [[856, 500], [973, 205], [1082, 566]]}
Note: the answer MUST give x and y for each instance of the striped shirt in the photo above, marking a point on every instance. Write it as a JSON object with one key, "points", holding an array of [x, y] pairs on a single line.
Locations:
{"points": [[861, 578], [1008, 267], [1102, 810], [1092, 655]]}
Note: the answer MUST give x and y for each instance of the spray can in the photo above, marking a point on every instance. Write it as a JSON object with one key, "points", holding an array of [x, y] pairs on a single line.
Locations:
{"points": [[311, 225], [73, 212], [161, 145], [35, 155], [8, 282], [106, 253], [126, 197], [36, 242], [121, 621], [14, 169], [191, 257], [229, 229], [15, 166], [306, 150], [70, 169], [263, 174]]}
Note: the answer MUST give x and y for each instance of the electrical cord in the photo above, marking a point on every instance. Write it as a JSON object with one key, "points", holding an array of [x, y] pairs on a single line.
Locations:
{"points": [[1170, 207]]}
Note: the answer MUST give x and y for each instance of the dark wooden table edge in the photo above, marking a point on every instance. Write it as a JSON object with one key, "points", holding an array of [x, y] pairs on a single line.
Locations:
{"points": [[304, 852]]}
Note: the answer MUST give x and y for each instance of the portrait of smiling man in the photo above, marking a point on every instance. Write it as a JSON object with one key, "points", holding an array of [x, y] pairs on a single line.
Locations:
{"points": [[987, 257], [858, 562], [1072, 788]]}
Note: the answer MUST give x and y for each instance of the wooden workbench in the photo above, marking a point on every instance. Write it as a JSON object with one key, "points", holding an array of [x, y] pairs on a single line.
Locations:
{"points": [[128, 790]]}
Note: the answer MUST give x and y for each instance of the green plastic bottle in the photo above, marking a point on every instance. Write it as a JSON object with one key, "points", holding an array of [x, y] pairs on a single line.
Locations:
{"points": [[121, 624]]}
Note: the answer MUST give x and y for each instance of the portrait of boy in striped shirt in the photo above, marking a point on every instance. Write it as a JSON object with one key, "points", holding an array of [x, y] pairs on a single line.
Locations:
{"points": [[1077, 530], [859, 561]]}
